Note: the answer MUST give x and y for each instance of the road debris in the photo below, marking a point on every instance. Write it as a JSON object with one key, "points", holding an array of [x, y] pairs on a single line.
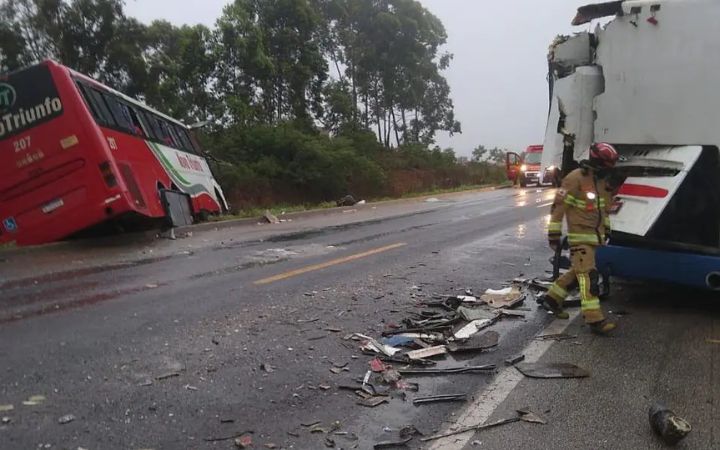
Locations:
{"points": [[520, 417], [66, 419], [348, 200], [476, 343], [373, 401], [427, 352], [390, 444], [6, 408], [449, 370], [370, 344], [472, 328], [670, 427], [267, 368], [555, 337], [269, 217], [514, 360], [712, 341], [376, 365], [5, 420], [34, 400], [503, 298], [472, 314], [236, 436], [440, 398], [551, 370], [165, 376], [244, 441]]}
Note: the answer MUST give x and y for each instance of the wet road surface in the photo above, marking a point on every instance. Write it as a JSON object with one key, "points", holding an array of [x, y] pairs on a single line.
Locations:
{"points": [[160, 345]]}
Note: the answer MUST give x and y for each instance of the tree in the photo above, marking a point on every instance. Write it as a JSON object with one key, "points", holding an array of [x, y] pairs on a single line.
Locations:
{"points": [[478, 154]]}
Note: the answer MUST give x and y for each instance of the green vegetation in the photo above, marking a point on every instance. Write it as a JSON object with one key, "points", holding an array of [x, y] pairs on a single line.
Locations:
{"points": [[306, 100]]}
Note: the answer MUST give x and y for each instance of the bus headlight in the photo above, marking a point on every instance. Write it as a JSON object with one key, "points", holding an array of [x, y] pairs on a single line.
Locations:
{"points": [[523, 168]]}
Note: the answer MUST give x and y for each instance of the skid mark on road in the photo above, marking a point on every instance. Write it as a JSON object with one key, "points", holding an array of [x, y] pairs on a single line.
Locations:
{"points": [[334, 262], [487, 401]]}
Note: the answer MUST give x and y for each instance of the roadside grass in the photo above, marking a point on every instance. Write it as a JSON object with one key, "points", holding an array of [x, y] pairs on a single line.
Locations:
{"points": [[280, 209]]}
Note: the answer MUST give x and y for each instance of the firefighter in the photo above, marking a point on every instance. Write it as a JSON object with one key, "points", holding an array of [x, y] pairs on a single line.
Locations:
{"points": [[584, 200]]}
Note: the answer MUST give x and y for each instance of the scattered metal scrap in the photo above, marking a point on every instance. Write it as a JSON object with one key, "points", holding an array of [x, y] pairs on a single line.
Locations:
{"points": [[440, 398], [449, 370], [670, 427], [551, 370], [390, 444], [523, 415]]}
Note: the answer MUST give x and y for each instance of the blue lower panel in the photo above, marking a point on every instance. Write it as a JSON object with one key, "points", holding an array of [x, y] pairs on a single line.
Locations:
{"points": [[680, 268]]}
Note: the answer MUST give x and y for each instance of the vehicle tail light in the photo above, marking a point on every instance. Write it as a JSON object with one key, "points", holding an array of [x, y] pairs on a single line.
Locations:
{"points": [[108, 175]]}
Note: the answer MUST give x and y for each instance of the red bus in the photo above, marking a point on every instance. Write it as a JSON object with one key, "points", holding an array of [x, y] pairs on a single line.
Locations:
{"points": [[75, 153]]}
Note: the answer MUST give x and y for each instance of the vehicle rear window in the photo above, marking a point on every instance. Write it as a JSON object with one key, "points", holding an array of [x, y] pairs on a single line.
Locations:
{"points": [[27, 99]]}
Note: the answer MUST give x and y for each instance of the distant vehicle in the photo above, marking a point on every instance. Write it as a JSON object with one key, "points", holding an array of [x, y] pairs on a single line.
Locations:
{"points": [[525, 168], [76, 153]]}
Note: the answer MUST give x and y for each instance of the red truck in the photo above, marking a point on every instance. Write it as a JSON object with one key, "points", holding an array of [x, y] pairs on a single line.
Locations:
{"points": [[525, 168]]}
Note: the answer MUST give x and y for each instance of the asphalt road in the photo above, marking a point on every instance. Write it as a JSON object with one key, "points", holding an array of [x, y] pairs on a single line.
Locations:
{"points": [[170, 344]]}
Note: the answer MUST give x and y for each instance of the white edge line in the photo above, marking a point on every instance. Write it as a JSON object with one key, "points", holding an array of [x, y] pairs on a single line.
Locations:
{"points": [[485, 404]]}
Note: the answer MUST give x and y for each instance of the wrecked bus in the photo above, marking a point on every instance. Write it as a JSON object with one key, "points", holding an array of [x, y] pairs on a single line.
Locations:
{"points": [[645, 81], [76, 153]]}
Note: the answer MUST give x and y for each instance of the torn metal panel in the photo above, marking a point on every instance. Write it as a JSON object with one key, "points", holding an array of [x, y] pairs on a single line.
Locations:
{"points": [[568, 53], [572, 115], [551, 370], [589, 13]]}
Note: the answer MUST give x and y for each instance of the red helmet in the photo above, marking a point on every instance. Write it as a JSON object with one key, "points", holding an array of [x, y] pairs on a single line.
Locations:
{"points": [[603, 155]]}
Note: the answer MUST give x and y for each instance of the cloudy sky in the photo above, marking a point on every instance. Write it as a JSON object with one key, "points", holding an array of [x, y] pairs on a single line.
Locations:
{"points": [[497, 76]]}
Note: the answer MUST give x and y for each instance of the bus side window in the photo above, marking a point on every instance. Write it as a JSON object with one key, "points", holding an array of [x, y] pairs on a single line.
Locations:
{"points": [[182, 134], [145, 119], [135, 119], [122, 118], [97, 106], [155, 127]]}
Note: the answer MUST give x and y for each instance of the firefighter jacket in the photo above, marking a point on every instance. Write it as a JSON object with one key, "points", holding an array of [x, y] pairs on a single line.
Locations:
{"points": [[584, 200]]}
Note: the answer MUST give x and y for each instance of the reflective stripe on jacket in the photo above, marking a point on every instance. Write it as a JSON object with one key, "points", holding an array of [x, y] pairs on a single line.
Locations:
{"points": [[584, 202]]}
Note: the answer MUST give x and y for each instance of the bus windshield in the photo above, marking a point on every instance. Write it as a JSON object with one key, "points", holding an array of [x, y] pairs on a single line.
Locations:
{"points": [[27, 98], [532, 158]]}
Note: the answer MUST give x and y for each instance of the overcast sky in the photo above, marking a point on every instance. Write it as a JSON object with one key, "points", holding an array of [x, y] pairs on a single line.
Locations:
{"points": [[498, 74]]}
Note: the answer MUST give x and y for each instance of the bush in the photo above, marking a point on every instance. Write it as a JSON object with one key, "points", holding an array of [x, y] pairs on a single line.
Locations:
{"points": [[263, 165]]}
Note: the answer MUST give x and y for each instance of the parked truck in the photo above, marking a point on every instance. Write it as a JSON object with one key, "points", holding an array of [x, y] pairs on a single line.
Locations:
{"points": [[646, 81]]}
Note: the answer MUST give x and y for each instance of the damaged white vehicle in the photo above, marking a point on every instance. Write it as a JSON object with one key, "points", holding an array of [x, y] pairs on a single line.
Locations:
{"points": [[647, 82]]}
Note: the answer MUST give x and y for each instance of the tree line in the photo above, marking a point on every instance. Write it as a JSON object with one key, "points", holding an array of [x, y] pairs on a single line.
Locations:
{"points": [[321, 97]]}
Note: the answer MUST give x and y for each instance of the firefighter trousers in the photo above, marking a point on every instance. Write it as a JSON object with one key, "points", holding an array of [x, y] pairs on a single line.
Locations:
{"points": [[583, 275]]}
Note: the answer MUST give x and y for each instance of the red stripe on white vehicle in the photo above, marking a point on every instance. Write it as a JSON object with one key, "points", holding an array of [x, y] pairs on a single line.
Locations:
{"points": [[641, 190]]}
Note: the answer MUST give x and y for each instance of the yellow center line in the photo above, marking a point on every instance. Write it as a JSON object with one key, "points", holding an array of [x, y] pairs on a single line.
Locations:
{"points": [[334, 262]]}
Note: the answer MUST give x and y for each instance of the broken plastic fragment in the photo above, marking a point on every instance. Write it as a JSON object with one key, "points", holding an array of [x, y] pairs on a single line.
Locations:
{"points": [[472, 328], [471, 314], [5, 408], [476, 343], [427, 352], [372, 345], [66, 419]]}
